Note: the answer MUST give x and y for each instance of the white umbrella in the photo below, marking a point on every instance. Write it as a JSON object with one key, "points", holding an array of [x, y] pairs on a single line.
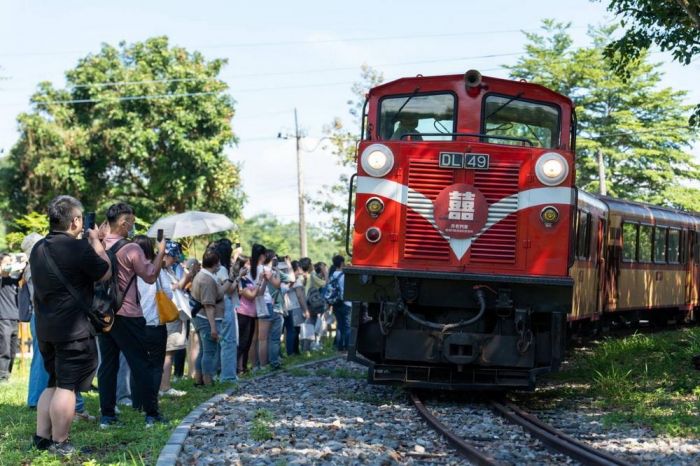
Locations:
{"points": [[192, 223]]}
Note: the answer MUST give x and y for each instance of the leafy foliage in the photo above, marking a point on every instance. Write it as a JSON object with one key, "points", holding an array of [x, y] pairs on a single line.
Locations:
{"points": [[640, 128], [33, 222], [284, 238], [146, 122], [332, 199], [672, 25]]}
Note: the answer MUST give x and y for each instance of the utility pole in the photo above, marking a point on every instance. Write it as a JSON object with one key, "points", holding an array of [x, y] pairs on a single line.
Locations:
{"points": [[300, 190], [602, 189]]}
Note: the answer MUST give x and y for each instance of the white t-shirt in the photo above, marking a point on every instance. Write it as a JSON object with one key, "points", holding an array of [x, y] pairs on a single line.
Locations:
{"points": [[147, 296]]}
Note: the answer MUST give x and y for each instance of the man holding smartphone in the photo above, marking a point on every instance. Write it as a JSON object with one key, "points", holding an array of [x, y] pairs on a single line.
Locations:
{"points": [[66, 337]]}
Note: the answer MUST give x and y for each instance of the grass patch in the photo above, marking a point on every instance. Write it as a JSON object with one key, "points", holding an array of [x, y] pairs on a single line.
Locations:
{"points": [[643, 379], [129, 444], [260, 429], [341, 373]]}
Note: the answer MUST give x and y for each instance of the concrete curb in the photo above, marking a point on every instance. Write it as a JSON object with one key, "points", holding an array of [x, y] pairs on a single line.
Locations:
{"points": [[170, 452]]}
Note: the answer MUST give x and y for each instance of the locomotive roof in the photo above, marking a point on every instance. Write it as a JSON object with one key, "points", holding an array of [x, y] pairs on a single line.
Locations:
{"points": [[437, 80], [648, 213]]}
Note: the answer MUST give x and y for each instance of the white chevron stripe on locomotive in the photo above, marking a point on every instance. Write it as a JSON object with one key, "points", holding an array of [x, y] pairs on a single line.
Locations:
{"points": [[404, 195]]}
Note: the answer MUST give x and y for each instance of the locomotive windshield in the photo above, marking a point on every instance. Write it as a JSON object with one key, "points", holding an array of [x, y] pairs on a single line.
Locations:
{"points": [[428, 117], [512, 117]]}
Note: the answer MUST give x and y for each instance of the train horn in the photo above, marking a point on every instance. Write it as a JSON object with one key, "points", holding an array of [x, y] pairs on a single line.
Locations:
{"points": [[472, 78]]}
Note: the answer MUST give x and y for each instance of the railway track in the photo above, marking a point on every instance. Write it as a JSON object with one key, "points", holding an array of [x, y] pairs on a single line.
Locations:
{"points": [[553, 439]]}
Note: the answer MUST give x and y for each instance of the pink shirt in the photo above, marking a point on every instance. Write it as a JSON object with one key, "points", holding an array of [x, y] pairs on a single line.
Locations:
{"points": [[130, 260], [246, 306]]}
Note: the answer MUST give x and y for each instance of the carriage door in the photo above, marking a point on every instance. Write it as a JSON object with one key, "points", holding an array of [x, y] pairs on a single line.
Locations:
{"points": [[601, 249], [693, 259]]}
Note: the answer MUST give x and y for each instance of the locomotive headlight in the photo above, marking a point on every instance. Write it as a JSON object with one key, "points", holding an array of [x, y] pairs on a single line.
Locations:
{"points": [[374, 207], [377, 160], [551, 169], [549, 215]]}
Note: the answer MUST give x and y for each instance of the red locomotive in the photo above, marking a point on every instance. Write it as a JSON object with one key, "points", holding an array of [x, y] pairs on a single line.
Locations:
{"points": [[472, 247]]}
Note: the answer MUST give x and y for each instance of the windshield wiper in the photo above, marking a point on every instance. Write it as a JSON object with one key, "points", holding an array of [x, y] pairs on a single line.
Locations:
{"points": [[517, 96], [408, 99]]}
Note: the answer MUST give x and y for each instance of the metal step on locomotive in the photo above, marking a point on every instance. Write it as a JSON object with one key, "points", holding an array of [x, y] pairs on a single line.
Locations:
{"points": [[472, 249]]}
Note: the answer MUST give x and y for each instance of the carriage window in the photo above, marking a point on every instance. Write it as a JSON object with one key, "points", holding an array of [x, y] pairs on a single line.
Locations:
{"points": [[429, 117], [645, 242], [583, 235], [660, 244], [629, 242], [511, 117], [674, 246]]}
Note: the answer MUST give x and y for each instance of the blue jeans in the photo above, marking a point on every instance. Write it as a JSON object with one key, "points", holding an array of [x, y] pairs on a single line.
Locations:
{"points": [[39, 378], [342, 318], [229, 342], [209, 349], [274, 339]]}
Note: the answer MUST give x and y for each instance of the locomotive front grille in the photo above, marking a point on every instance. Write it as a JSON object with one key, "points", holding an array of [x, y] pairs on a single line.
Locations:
{"points": [[422, 241], [499, 183]]}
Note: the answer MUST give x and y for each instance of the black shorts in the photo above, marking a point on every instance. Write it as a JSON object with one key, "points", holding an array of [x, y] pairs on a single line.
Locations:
{"points": [[71, 364]]}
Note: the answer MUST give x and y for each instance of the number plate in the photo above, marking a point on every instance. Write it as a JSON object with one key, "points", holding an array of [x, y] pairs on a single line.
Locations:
{"points": [[462, 160]]}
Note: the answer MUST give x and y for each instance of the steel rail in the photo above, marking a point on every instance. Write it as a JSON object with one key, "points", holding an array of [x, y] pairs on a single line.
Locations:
{"points": [[463, 448], [555, 439]]}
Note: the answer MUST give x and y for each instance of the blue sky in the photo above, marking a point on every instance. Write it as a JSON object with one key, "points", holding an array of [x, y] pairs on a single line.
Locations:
{"points": [[283, 55]]}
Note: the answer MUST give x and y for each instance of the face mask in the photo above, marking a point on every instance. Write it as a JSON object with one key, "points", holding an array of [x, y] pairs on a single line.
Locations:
{"points": [[7, 268], [132, 231]]}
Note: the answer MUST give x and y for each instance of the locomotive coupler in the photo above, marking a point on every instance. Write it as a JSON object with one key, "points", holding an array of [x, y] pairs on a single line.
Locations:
{"points": [[523, 328]]}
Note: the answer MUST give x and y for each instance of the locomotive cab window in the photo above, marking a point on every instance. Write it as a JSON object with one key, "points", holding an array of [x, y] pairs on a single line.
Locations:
{"points": [[660, 244], [427, 117], [514, 121], [629, 242]]}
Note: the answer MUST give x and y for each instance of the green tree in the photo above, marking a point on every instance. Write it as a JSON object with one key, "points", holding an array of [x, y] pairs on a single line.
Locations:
{"points": [[640, 128], [333, 199], [267, 230], [146, 122], [671, 25]]}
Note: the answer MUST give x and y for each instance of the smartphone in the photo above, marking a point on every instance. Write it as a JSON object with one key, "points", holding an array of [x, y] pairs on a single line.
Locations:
{"points": [[160, 235], [88, 222], [238, 245]]}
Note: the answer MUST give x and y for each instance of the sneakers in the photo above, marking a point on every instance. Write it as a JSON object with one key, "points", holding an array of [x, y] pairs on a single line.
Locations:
{"points": [[84, 416], [108, 421], [153, 420], [172, 392], [124, 402], [41, 443], [64, 448]]}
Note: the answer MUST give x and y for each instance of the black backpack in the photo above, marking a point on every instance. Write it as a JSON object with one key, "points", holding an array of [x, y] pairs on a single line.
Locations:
{"points": [[315, 300]]}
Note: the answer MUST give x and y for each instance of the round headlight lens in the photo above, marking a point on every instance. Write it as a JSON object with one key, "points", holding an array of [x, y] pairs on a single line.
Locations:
{"points": [[551, 169], [549, 215], [374, 206], [377, 160]]}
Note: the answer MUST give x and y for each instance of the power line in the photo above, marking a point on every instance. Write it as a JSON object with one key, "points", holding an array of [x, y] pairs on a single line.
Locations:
{"points": [[303, 41], [126, 98], [281, 73]]}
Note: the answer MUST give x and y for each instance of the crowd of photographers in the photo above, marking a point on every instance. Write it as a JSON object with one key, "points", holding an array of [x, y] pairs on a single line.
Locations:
{"points": [[234, 313]]}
